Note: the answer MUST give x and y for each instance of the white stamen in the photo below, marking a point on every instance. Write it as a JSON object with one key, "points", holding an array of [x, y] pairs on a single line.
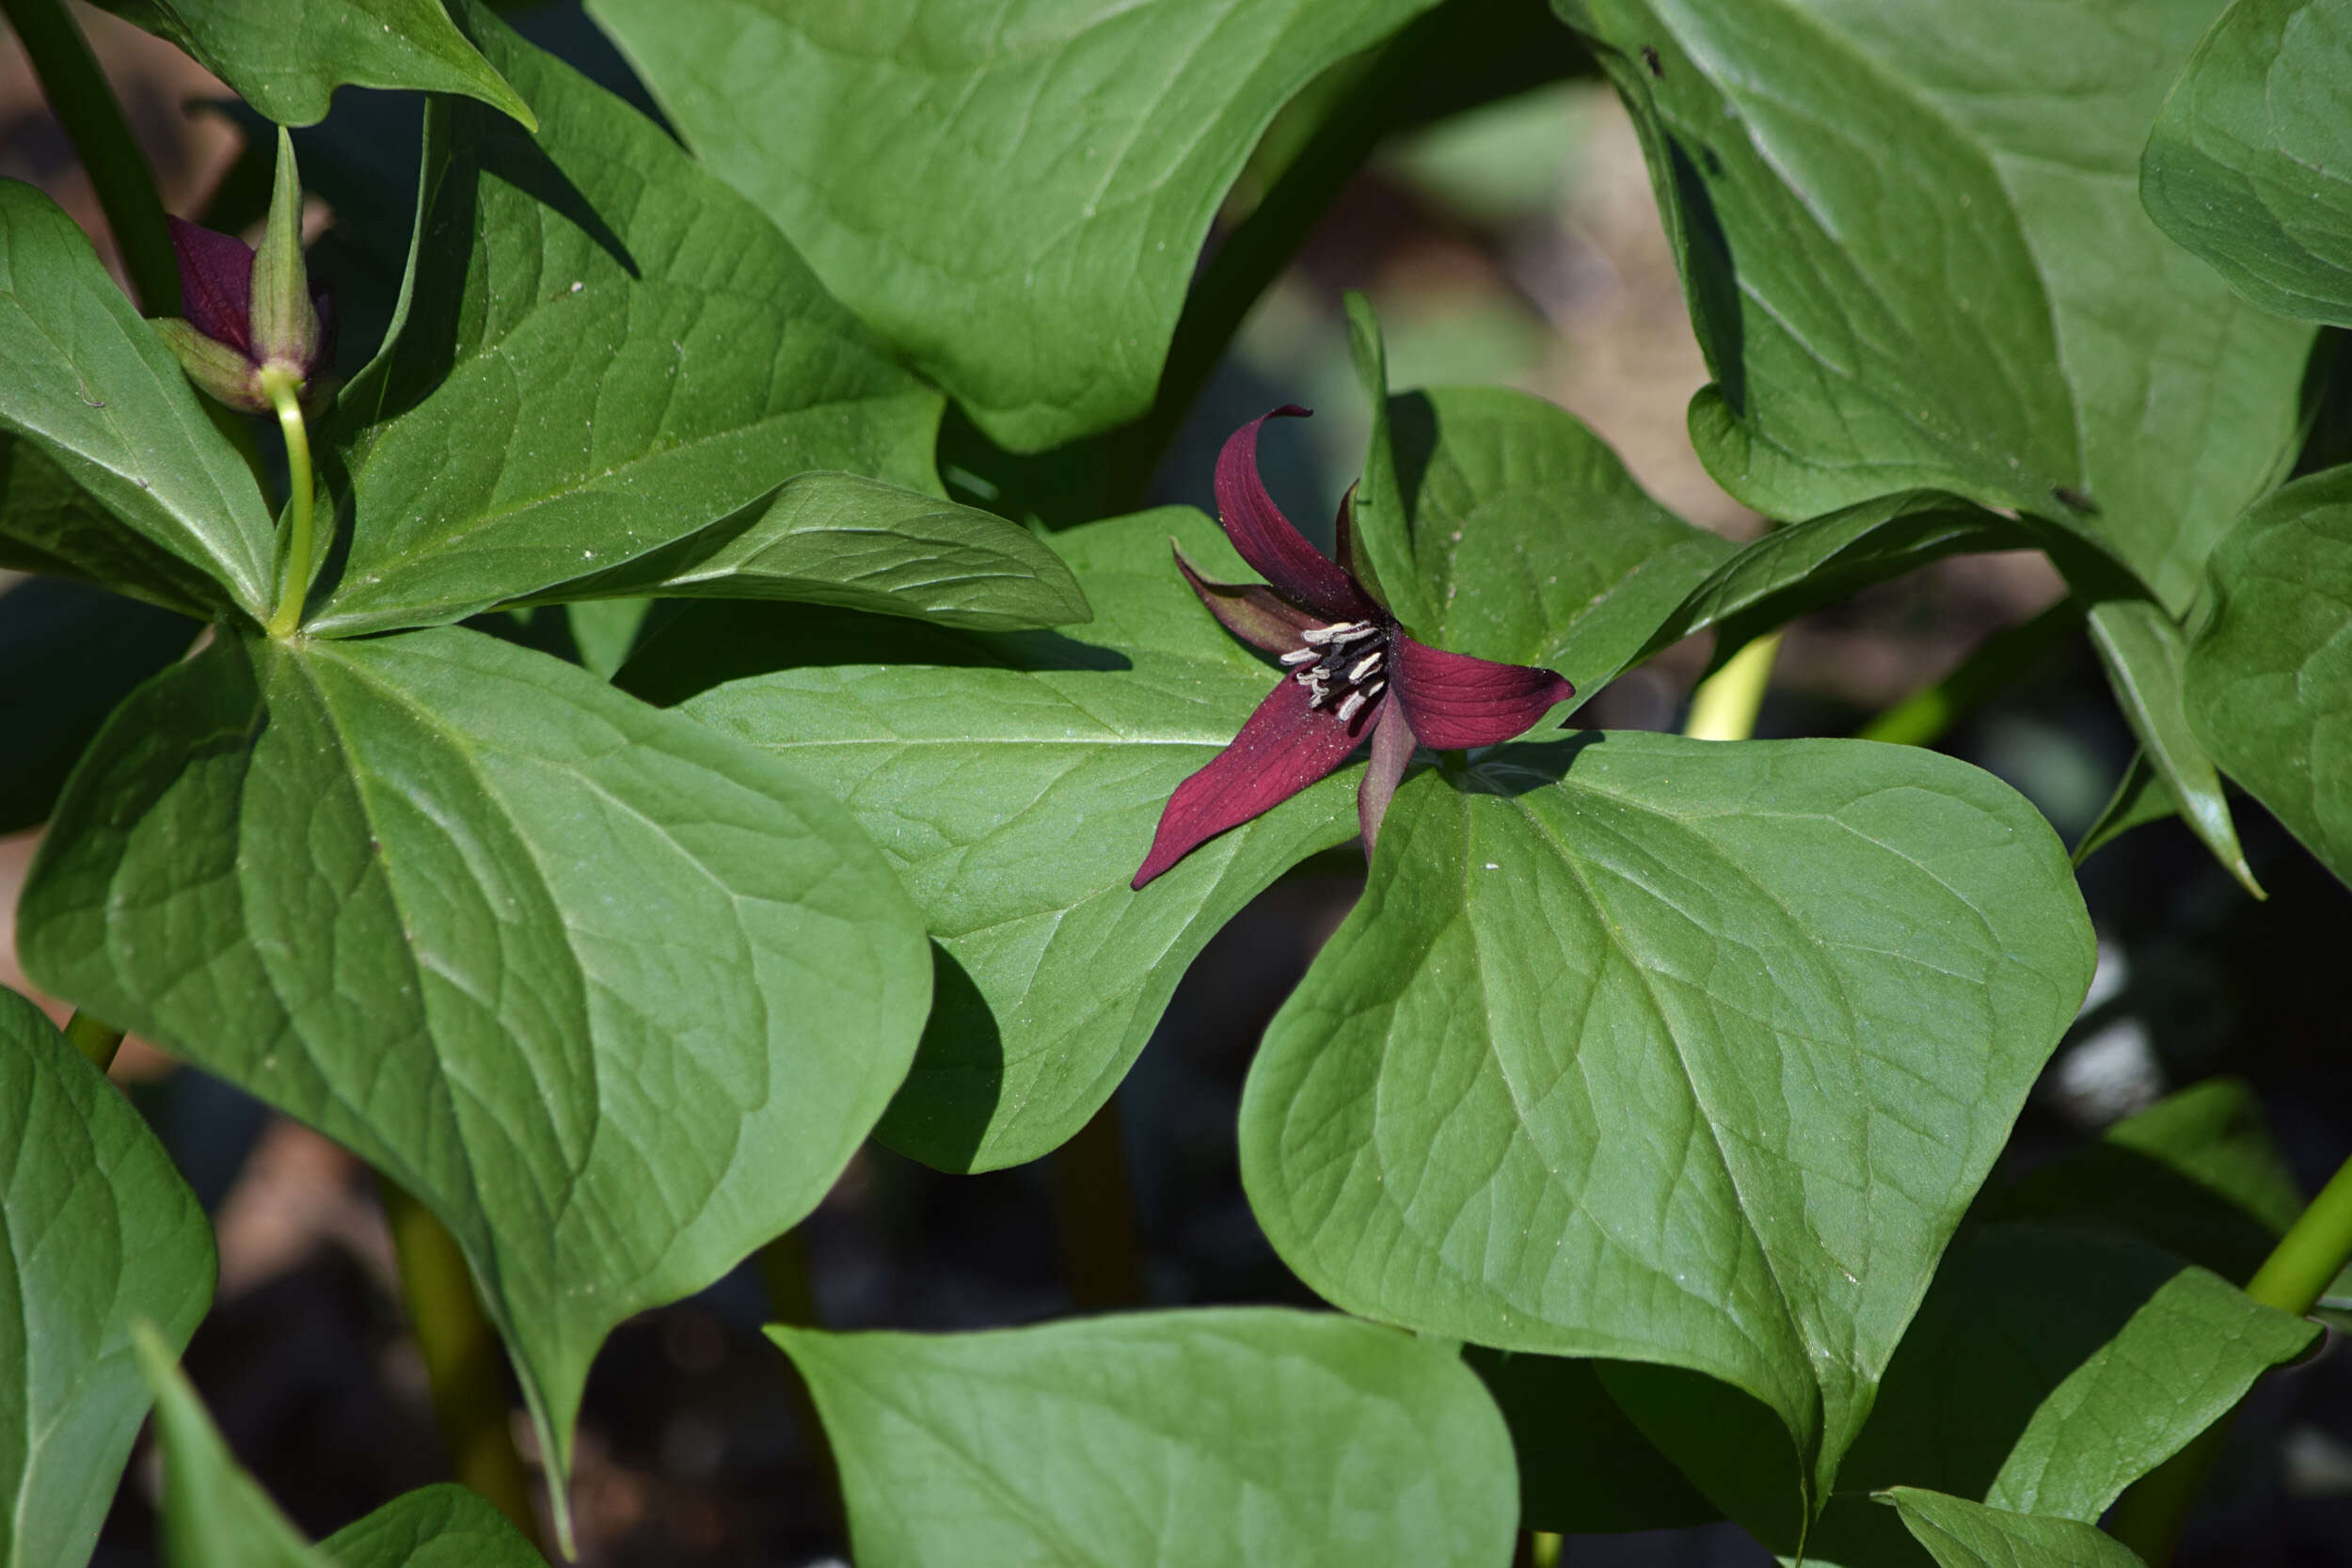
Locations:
{"points": [[1309, 677], [1320, 635], [1365, 665], [1301, 656], [1353, 702], [1376, 688], [1355, 633]]}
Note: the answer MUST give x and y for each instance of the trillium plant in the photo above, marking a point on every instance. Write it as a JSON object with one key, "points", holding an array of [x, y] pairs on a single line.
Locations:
{"points": [[682, 704]]}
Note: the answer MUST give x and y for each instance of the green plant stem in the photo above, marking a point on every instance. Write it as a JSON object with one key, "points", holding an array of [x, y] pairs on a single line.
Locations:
{"points": [[93, 1039], [1095, 1212], [462, 1360], [285, 395], [1255, 253], [1921, 719], [1726, 705], [2307, 1257], [784, 1270], [85, 106]]}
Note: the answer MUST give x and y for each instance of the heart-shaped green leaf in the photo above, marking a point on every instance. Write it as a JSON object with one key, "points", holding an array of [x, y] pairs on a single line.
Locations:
{"points": [[615, 997], [99, 1233], [140, 492], [2145, 655], [286, 57], [1014, 782], [1948, 283], [1014, 198], [1671, 1052], [2270, 680], [434, 1527], [2048, 1369], [2250, 164], [1958, 1533], [606, 354], [1234, 1438], [68, 654], [842, 539]]}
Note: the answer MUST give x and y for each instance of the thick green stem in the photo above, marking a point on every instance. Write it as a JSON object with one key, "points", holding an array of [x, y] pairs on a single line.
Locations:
{"points": [[1726, 705], [1095, 1212], [1921, 719], [1255, 253], [285, 395], [86, 107], [93, 1039], [463, 1362], [2315, 1250]]}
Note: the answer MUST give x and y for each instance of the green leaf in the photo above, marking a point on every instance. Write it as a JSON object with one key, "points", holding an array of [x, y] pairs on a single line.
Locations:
{"points": [[2144, 654], [2269, 681], [2048, 1369], [608, 357], [100, 1232], [214, 1515], [286, 57], [1497, 525], [1246, 1437], [2140, 798], [1825, 560], [434, 1527], [68, 654], [1948, 282], [1962, 1534], [1530, 542], [841, 539], [167, 509], [2196, 1174], [1583, 1466], [1015, 198], [2250, 165], [615, 997], [1670, 1051], [1014, 782]]}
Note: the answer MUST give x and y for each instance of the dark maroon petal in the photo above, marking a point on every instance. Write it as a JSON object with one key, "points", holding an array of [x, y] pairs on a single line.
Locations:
{"points": [[216, 283], [1287, 745], [1344, 534], [1278, 552], [1453, 700], [1393, 744], [1250, 611]]}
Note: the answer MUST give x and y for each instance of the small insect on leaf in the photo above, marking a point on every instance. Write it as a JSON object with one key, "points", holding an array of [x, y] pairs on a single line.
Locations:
{"points": [[1649, 58]]}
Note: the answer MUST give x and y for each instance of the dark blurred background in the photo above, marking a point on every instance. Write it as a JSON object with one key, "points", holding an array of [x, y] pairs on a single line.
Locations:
{"points": [[1516, 244]]}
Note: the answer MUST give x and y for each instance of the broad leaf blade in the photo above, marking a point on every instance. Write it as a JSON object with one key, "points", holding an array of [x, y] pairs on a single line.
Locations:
{"points": [[607, 354], [2270, 680], [843, 539], [286, 57], [1670, 1052], [1949, 283], [1234, 1438], [1960, 1534], [1014, 782], [171, 512], [2250, 165], [434, 1527], [613, 997], [100, 1233], [1015, 197], [2045, 1400], [68, 654], [2145, 656]]}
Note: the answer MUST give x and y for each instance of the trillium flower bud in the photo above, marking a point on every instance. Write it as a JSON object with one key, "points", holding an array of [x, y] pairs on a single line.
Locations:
{"points": [[253, 317]]}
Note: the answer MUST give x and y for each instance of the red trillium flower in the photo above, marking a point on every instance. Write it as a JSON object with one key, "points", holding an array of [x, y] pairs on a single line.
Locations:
{"points": [[1350, 673]]}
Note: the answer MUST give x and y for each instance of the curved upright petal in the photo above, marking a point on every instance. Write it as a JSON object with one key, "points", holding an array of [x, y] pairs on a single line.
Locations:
{"points": [[216, 283], [1266, 539], [1393, 744], [1250, 611], [1287, 745], [1453, 700]]}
